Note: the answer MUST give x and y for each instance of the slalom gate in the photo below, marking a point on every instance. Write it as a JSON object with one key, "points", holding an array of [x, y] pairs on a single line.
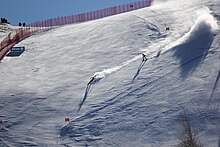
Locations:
{"points": [[39, 26]]}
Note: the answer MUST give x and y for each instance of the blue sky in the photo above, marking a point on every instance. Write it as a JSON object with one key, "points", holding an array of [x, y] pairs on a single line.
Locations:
{"points": [[29, 11]]}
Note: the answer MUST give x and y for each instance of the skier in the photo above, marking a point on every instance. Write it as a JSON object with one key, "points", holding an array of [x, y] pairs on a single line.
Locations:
{"points": [[144, 58], [91, 81]]}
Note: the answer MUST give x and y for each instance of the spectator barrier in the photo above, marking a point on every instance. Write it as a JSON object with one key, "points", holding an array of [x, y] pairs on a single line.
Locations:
{"points": [[93, 15], [39, 26], [19, 35]]}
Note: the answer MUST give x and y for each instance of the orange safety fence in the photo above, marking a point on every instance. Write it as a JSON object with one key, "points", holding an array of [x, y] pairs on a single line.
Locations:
{"points": [[39, 26]]}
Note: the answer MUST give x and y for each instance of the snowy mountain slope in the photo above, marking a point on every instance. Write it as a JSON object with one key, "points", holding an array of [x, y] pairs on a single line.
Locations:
{"points": [[5, 29], [48, 81]]}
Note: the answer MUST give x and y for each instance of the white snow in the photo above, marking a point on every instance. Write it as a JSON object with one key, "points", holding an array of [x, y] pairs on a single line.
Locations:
{"points": [[130, 104], [5, 29]]}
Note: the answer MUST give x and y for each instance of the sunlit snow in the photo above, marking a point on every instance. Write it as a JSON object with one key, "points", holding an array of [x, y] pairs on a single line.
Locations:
{"points": [[130, 103]]}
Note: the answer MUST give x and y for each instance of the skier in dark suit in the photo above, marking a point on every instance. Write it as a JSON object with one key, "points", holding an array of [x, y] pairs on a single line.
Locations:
{"points": [[144, 58]]}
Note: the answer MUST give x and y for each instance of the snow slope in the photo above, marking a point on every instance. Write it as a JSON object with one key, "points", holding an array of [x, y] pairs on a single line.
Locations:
{"points": [[130, 104], [5, 29]]}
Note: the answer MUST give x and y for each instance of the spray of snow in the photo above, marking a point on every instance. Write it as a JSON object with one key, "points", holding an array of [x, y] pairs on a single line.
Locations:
{"points": [[205, 23], [102, 74]]}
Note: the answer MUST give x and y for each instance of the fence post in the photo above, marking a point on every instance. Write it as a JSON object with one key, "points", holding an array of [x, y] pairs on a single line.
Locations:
{"points": [[83, 17], [78, 15], [149, 2], [55, 21], [99, 13], [104, 12], [87, 16], [71, 19], [50, 24], [74, 19], [138, 3], [95, 15]]}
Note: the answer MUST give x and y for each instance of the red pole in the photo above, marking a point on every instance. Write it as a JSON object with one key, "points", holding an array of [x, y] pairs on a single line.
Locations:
{"points": [[98, 14], [87, 16], [74, 18], [92, 15], [149, 2], [45, 24], [95, 14], [141, 4], [105, 12], [71, 19], [138, 5], [83, 17], [101, 15], [65, 20], [58, 21], [51, 22], [55, 21], [79, 18]]}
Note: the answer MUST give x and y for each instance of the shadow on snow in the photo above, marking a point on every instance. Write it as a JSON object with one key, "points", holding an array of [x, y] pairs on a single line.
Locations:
{"points": [[194, 47]]}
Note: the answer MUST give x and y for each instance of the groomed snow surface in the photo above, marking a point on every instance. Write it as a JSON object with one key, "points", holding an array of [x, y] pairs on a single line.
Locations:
{"points": [[130, 104], [5, 29]]}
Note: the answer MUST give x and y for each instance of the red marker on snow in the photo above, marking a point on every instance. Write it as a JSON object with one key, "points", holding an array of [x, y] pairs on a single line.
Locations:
{"points": [[67, 119]]}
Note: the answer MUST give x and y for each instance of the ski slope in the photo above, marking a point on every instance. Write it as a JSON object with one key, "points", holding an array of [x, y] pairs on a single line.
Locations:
{"points": [[5, 29], [129, 104]]}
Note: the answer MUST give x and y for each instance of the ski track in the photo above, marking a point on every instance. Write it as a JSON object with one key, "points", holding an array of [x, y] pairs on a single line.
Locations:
{"points": [[118, 99]]}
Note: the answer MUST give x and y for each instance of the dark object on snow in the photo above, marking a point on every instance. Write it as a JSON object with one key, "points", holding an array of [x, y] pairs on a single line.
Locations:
{"points": [[131, 6], [91, 81], [144, 58], [67, 119], [16, 51], [139, 69], [19, 24], [88, 87], [24, 24], [167, 28]]}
